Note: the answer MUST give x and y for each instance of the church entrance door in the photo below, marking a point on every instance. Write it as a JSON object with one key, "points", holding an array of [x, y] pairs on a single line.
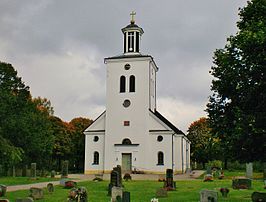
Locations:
{"points": [[126, 162]]}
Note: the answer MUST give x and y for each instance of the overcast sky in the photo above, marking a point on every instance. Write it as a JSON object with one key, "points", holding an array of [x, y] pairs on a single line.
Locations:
{"points": [[58, 47]]}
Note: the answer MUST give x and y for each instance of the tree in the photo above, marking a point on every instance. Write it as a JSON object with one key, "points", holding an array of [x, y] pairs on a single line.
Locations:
{"points": [[203, 145], [78, 138], [237, 108], [24, 128]]}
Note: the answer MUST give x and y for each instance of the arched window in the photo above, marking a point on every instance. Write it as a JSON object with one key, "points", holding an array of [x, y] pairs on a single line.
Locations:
{"points": [[122, 84], [160, 158], [132, 83], [126, 141], [96, 158]]}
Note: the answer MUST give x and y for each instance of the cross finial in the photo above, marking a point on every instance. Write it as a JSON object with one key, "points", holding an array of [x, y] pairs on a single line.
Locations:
{"points": [[133, 13]]}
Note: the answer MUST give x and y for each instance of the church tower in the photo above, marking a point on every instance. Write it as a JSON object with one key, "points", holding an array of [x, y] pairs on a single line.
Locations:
{"points": [[131, 132]]}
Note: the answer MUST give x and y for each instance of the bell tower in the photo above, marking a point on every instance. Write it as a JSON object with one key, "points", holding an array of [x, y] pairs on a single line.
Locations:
{"points": [[132, 36]]}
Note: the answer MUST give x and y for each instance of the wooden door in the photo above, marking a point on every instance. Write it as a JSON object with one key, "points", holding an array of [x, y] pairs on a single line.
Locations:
{"points": [[126, 162]]}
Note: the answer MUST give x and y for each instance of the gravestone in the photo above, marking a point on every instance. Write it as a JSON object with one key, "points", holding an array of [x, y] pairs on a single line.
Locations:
{"points": [[62, 182], [2, 190], [161, 192], [208, 196], [4, 200], [126, 196], [64, 169], [28, 199], [36, 193], [117, 192], [118, 169], [50, 187], [258, 197], [209, 170], [53, 174], [169, 184], [33, 170], [241, 183], [249, 170]]}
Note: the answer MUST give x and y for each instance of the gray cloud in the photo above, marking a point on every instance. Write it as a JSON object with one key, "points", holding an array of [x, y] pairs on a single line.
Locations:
{"points": [[58, 48]]}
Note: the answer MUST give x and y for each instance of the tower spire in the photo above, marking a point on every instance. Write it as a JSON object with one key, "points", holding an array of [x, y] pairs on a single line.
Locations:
{"points": [[132, 35], [133, 13]]}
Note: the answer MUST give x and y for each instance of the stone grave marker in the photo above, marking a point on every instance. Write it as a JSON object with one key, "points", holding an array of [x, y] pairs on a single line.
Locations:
{"points": [[118, 169], [4, 200], [208, 196], [169, 184], [64, 169], [258, 197], [209, 170], [161, 192], [53, 174], [36, 193], [50, 187], [62, 182], [28, 199], [114, 178], [249, 170], [117, 192], [241, 183], [2, 190], [33, 170], [126, 196]]}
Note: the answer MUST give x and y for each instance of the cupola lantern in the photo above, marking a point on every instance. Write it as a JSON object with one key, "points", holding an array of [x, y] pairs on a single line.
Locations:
{"points": [[132, 35]]}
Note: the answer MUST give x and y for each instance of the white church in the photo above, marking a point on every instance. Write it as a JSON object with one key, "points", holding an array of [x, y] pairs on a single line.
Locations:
{"points": [[131, 132]]}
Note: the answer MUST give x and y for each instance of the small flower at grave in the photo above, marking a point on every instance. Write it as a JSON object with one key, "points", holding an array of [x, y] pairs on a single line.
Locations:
{"points": [[208, 178], [154, 200], [224, 191]]}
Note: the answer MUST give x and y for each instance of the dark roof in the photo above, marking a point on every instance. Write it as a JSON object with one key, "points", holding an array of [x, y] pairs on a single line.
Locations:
{"points": [[129, 56], [94, 121], [132, 25], [168, 123]]}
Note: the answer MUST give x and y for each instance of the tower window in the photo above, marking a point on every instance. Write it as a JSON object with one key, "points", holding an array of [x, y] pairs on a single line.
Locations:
{"points": [[95, 138], [160, 158], [127, 66], [160, 138], [122, 84], [130, 41], [126, 141], [132, 83], [137, 41], [96, 158]]}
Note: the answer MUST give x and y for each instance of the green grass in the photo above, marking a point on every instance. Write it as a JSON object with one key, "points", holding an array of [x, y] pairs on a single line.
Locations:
{"points": [[24, 180], [143, 191]]}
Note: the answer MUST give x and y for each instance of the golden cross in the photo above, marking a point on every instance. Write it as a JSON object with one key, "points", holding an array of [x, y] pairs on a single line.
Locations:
{"points": [[132, 17]]}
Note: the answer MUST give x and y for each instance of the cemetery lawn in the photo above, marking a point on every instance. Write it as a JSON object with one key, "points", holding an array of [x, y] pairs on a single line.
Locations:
{"points": [[143, 191], [24, 180]]}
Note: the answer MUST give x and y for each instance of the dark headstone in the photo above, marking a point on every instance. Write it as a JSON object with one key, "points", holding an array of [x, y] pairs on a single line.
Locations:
{"points": [[208, 196], [161, 192], [2, 190], [114, 178], [50, 187], [33, 170], [126, 196], [64, 169], [169, 183], [241, 183], [258, 197], [28, 199], [36, 193], [118, 169]]}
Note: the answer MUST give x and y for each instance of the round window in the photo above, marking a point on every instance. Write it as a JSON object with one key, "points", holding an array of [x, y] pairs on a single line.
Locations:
{"points": [[126, 103], [96, 138], [127, 66], [160, 138]]}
